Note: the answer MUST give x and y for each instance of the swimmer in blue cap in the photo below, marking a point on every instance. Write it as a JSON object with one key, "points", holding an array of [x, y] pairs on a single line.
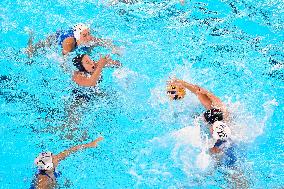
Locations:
{"points": [[47, 162], [77, 37]]}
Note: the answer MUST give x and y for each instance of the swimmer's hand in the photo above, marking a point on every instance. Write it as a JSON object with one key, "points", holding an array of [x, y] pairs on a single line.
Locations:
{"points": [[94, 143], [176, 82], [103, 61], [113, 63]]}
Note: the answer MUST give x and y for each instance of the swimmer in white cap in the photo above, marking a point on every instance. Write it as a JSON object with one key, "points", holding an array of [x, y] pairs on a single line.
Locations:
{"points": [[216, 116], [47, 162], [77, 37], [216, 110]]}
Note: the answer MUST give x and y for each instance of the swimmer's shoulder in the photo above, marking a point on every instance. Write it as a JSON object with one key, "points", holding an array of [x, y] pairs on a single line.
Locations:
{"points": [[69, 44], [79, 78], [43, 182]]}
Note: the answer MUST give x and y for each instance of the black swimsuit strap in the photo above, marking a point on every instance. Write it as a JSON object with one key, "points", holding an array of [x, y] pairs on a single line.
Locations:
{"points": [[75, 46]]}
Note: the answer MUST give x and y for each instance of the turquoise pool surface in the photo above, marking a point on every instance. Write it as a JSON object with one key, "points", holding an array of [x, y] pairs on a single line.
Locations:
{"points": [[233, 48]]}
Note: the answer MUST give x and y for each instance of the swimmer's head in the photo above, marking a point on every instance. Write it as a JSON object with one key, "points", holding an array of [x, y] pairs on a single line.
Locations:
{"points": [[77, 62], [175, 92], [82, 33], [213, 115], [220, 131], [84, 63], [44, 161]]}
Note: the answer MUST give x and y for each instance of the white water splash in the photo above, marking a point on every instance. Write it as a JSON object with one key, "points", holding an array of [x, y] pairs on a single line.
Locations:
{"points": [[127, 78], [244, 125]]}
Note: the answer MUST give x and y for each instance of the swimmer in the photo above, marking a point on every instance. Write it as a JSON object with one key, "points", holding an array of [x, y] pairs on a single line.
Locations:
{"points": [[47, 163], [87, 76], [77, 37], [216, 116], [216, 112], [89, 71]]}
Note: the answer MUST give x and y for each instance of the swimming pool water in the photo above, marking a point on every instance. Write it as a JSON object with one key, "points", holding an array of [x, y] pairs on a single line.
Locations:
{"points": [[233, 48]]}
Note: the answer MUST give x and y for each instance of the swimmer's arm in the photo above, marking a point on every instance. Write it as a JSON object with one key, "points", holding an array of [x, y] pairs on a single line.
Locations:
{"points": [[198, 91], [217, 103], [61, 156], [207, 99], [68, 45]]}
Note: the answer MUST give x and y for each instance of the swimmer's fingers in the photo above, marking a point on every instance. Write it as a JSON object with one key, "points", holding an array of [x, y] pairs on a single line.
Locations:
{"points": [[176, 82], [116, 63], [99, 139], [94, 143], [171, 80]]}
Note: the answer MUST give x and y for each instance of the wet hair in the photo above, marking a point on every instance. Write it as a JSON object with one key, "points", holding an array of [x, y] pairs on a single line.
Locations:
{"points": [[213, 115], [77, 62]]}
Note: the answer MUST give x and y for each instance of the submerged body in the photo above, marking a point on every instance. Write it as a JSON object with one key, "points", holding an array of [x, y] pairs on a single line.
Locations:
{"points": [[47, 163], [78, 37]]}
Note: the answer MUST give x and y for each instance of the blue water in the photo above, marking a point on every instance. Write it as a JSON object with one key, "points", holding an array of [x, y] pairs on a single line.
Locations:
{"points": [[231, 47]]}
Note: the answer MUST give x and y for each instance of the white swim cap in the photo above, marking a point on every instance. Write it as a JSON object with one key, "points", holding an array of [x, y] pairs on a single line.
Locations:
{"points": [[78, 28], [44, 161], [221, 131]]}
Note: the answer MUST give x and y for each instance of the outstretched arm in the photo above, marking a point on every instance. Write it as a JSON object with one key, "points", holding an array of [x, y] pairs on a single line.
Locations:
{"points": [[206, 98], [57, 158]]}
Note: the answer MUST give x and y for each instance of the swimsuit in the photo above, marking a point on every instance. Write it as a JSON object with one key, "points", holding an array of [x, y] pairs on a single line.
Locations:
{"points": [[229, 158], [56, 175], [86, 93]]}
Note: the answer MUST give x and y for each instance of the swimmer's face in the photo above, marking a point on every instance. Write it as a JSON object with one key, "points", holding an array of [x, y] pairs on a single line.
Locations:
{"points": [[85, 36], [88, 64]]}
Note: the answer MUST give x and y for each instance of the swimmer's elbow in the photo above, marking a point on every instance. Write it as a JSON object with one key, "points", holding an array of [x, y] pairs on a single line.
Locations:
{"points": [[215, 150]]}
